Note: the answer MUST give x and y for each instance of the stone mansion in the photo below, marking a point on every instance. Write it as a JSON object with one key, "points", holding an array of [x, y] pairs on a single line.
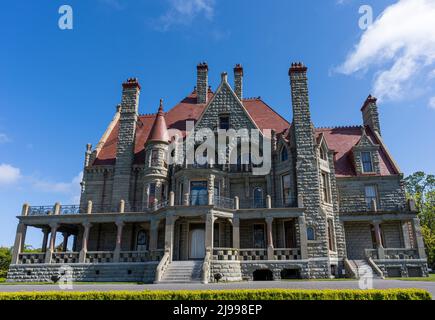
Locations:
{"points": [[332, 205]]}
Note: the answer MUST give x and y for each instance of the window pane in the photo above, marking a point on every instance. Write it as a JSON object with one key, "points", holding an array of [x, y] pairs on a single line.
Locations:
{"points": [[224, 123], [286, 189], [284, 154], [371, 194], [366, 159]]}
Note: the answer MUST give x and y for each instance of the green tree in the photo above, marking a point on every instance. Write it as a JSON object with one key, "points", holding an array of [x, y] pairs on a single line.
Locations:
{"points": [[421, 187], [5, 261]]}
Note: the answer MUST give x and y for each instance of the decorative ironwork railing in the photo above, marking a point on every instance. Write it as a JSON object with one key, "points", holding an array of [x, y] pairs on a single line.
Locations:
{"points": [[40, 210], [223, 203], [31, 258], [71, 209], [252, 204]]}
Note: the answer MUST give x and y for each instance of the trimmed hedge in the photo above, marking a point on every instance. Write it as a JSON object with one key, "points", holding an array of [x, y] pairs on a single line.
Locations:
{"points": [[272, 294]]}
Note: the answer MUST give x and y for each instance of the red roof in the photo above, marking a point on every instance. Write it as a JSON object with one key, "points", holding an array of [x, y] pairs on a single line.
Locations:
{"points": [[159, 131], [342, 140]]}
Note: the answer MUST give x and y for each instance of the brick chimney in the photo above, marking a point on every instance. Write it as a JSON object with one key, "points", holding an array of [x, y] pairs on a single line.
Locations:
{"points": [[126, 141], [202, 82], [370, 114], [238, 80]]}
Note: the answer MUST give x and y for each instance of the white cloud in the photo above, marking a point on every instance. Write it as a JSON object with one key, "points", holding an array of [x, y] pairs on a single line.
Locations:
{"points": [[4, 138], [9, 174], [432, 103], [184, 11], [400, 47], [70, 187]]}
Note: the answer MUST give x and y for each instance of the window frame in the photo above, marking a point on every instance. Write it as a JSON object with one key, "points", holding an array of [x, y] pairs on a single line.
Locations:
{"points": [[284, 151], [314, 233], [284, 202], [326, 188], [363, 162], [375, 197]]}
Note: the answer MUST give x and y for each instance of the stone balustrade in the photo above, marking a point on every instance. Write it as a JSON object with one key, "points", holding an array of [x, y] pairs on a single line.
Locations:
{"points": [[392, 254], [31, 258], [252, 254], [287, 254], [65, 257], [99, 257]]}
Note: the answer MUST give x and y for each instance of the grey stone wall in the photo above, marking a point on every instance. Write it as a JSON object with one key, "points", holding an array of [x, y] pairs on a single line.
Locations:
{"points": [[358, 238], [230, 271], [402, 268], [390, 189], [248, 268], [125, 272], [393, 235]]}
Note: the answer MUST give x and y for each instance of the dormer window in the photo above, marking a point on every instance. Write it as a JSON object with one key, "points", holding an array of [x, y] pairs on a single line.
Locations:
{"points": [[284, 154], [323, 154], [224, 122], [366, 162]]}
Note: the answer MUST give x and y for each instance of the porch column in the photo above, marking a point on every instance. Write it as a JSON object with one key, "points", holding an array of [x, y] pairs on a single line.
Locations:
{"points": [[52, 243], [406, 237], [20, 238], [211, 189], [117, 252], [169, 234], [418, 238], [65, 241], [377, 226], [270, 255], [87, 228], [45, 231], [186, 195], [209, 228], [154, 234], [236, 233], [303, 239]]}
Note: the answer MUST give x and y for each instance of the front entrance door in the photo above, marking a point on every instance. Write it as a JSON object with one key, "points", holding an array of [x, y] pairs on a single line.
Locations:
{"points": [[197, 243]]}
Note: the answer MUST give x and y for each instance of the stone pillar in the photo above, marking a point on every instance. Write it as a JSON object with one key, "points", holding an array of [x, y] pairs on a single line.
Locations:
{"points": [[45, 231], [25, 210], [406, 237], [268, 202], [236, 203], [209, 228], [65, 242], [57, 209], [171, 199], [122, 206], [89, 209], [52, 243], [169, 235], [303, 237], [211, 190], [20, 239], [117, 252], [83, 252], [270, 255], [236, 233], [377, 226], [154, 234], [418, 238]]}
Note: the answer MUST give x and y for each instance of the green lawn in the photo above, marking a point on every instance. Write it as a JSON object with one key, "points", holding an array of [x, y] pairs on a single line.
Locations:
{"points": [[430, 278]]}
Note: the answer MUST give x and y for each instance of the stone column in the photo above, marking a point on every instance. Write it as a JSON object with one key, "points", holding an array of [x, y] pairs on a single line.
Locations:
{"points": [[236, 233], [20, 238], [52, 243], [117, 252], [418, 238], [211, 190], [65, 241], [209, 228], [154, 234], [303, 237], [87, 229], [406, 237], [46, 231], [169, 235], [270, 255], [377, 226], [171, 199]]}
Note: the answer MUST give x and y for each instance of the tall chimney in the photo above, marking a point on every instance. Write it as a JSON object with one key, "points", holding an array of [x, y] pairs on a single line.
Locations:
{"points": [[126, 141], [371, 115], [238, 80], [307, 171], [202, 82]]}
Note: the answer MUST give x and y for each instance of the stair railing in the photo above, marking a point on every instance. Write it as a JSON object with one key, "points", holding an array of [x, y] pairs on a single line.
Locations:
{"points": [[206, 266], [163, 265], [350, 269], [375, 267]]}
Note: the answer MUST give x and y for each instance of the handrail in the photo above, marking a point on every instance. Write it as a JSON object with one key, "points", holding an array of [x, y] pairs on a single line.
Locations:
{"points": [[349, 268], [161, 268], [376, 268], [206, 266]]}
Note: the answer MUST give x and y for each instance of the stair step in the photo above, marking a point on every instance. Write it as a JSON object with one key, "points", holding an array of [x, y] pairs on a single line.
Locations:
{"points": [[183, 272]]}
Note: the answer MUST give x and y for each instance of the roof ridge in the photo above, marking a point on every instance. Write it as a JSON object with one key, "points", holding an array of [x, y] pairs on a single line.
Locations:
{"points": [[340, 127]]}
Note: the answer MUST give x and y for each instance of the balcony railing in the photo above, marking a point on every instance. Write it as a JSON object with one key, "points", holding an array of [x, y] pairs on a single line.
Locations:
{"points": [[41, 210], [99, 257], [65, 257], [287, 254], [223, 203], [392, 253], [31, 258]]}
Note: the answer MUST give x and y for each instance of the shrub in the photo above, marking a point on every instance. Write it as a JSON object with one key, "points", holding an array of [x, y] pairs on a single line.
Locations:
{"points": [[270, 294], [5, 261]]}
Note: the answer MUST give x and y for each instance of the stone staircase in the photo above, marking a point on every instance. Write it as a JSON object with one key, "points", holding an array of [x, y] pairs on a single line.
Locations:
{"points": [[362, 268], [183, 272]]}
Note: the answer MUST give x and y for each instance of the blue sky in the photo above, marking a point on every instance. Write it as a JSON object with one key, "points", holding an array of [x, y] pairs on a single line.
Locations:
{"points": [[59, 88]]}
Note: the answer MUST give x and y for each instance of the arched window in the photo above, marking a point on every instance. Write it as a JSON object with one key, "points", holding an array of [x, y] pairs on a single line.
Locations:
{"points": [[311, 234], [258, 197], [284, 154]]}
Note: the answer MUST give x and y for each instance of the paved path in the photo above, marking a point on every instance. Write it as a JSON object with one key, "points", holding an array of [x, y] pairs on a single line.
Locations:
{"points": [[377, 284]]}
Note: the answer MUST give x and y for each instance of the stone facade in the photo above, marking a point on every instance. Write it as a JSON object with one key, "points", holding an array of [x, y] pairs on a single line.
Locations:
{"points": [[316, 209]]}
